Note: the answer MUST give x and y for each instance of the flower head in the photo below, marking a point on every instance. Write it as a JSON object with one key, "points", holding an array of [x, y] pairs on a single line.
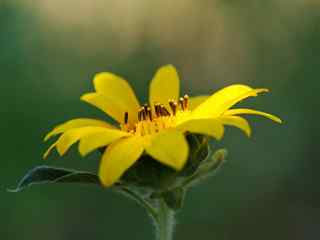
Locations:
{"points": [[157, 129]]}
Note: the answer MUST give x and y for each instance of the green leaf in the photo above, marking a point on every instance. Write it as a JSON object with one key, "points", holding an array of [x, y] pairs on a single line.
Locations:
{"points": [[47, 174], [174, 198]]}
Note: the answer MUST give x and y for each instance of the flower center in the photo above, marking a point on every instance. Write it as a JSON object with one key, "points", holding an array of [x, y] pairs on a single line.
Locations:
{"points": [[153, 120]]}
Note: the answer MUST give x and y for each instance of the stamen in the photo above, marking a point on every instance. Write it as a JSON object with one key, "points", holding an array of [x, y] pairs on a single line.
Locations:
{"points": [[164, 111], [126, 117], [186, 102], [149, 113], [140, 115], [161, 111], [144, 114], [173, 106], [157, 109], [145, 107], [181, 102]]}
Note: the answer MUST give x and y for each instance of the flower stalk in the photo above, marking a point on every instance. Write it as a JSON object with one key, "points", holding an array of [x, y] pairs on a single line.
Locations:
{"points": [[165, 222], [160, 213]]}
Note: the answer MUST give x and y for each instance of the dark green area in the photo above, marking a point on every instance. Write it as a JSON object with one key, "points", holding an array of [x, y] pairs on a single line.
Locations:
{"points": [[268, 188], [48, 174]]}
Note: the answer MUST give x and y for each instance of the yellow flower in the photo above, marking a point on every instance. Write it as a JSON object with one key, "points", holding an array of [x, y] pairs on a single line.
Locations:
{"points": [[158, 128]]}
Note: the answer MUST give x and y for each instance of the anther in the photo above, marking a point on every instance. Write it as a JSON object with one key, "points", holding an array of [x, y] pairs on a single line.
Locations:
{"points": [[157, 109], [149, 113], [181, 102], [145, 107], [164, 111], [126, 117], [143, 113], [186, 102], [173, 106]]}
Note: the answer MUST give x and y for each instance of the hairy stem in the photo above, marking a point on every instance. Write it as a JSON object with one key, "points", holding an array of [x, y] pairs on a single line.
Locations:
{"points": [[165, 222], [160, 213]]}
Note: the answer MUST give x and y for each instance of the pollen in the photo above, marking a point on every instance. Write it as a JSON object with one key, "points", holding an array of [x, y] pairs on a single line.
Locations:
{"points": [[153, 119]]}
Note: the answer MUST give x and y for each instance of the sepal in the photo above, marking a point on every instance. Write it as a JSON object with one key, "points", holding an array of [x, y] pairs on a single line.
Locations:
{"points": [[199, 151], [175, 198], [207, 168]]}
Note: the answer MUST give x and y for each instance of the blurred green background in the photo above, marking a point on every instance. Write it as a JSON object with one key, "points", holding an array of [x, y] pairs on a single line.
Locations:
{"points": [[49, 52]]}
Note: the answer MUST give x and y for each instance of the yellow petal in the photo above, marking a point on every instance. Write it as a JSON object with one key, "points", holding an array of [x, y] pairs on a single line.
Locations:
{"points": [[76, 123], [238, 122], [118, 157], [46, 154], [115, 109], [96, 140], [164, 86], [207, 126], [116, 89], [196, 101], [238, 111], [222, 100], [72, 136], [169, 148], [234, 101]]}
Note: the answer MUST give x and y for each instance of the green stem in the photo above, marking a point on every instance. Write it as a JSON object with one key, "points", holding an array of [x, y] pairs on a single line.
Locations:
{"points": [[165, 223], [161, 214]]}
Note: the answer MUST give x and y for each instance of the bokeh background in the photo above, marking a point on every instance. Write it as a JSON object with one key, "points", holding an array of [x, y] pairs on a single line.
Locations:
{"points": [[49, 52]]}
